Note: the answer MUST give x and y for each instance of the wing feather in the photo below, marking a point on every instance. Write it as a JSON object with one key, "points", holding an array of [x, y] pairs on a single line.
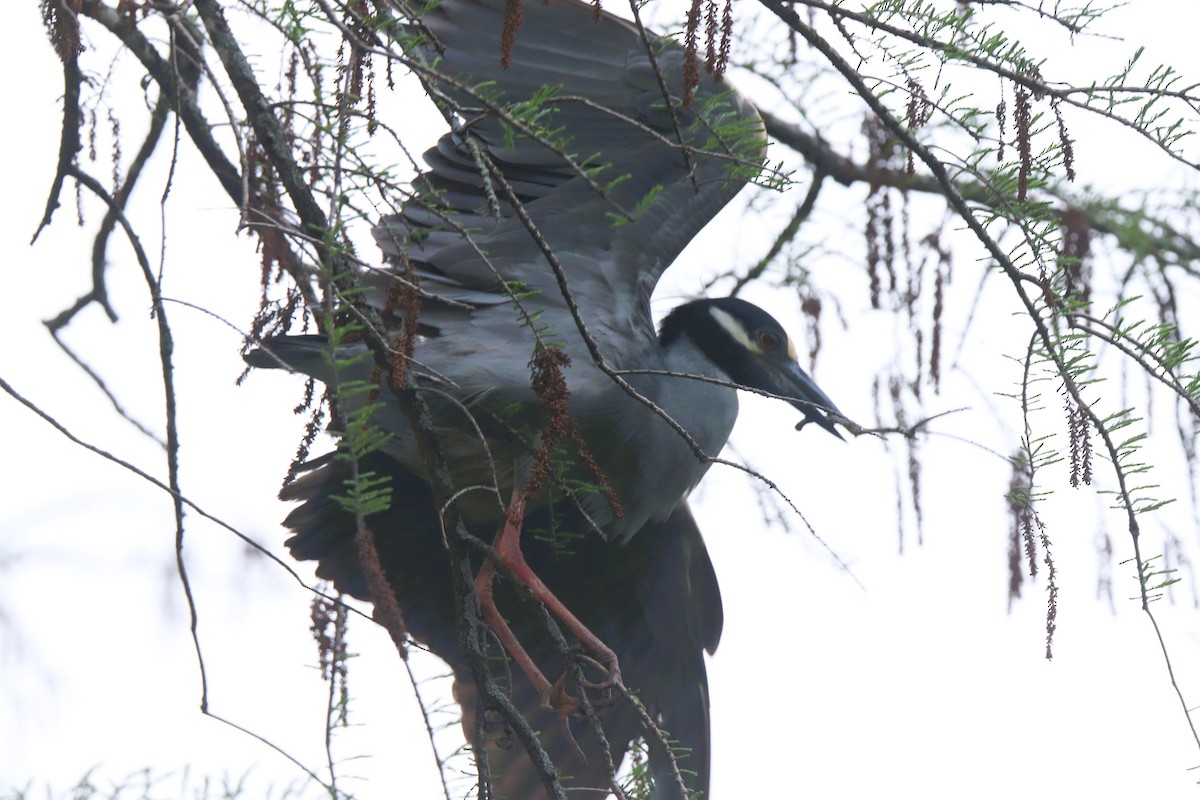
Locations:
{"points": [[610, 171]]}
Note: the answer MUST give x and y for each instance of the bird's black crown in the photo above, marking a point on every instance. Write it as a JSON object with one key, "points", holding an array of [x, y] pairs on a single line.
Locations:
{"points": [[695, 319]]}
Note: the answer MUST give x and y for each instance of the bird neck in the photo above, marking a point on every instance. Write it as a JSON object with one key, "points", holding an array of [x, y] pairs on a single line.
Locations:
{"points": [[706, 410], [684, 355]]}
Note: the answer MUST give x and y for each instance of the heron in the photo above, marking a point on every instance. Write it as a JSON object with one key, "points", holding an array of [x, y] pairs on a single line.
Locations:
{"points": [[572, 178]]}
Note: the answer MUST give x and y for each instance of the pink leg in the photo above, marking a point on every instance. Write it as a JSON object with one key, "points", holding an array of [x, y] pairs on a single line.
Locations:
{"points": [[508, 548]]}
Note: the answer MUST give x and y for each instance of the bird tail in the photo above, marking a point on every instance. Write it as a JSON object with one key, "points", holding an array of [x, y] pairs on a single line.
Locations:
{"points": [[685, 723]]}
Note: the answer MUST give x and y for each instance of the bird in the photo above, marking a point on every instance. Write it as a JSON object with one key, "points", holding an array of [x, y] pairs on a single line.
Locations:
{"points": [[571, 179]]}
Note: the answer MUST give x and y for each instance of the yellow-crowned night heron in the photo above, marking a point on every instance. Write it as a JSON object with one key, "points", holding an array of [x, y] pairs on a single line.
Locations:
{"points": [[616, 180]]}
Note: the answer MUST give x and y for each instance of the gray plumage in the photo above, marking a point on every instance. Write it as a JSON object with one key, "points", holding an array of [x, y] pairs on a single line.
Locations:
{"points": [[645, 585]]}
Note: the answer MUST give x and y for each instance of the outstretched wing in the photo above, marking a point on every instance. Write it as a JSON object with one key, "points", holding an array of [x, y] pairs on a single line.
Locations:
{"points": [[616, 176]]}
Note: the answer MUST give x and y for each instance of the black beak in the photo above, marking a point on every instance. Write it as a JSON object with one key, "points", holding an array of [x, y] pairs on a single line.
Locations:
{"points": [[791, 381]]}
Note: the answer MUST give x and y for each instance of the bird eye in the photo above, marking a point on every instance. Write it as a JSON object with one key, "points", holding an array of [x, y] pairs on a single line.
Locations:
{"points": [[769, 340]]}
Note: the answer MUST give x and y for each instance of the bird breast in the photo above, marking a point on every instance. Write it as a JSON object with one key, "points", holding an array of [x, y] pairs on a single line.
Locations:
{"points": [[650, 465]]}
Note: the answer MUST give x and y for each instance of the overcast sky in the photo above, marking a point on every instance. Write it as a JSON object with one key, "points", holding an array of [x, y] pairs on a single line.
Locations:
{"points": [[918, 681]]}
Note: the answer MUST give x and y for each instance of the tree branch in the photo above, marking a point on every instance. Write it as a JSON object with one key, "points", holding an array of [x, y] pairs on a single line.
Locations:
{"points": [[181, 96]]}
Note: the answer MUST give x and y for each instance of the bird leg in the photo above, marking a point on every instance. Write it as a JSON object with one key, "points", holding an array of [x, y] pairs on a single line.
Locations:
{"points": [[508, 548]]}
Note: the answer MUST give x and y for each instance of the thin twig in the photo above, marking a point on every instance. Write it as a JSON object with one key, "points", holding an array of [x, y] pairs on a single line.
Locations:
{"points": [[69, 142], [166, 347], [1041, 330]]}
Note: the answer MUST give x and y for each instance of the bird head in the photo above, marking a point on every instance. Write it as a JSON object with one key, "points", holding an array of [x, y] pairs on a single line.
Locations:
{"points": [[753, 349]]}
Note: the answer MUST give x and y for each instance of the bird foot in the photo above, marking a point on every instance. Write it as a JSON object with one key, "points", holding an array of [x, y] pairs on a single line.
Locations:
{"points": [[557, 698], [608, 689], [606, 663]]}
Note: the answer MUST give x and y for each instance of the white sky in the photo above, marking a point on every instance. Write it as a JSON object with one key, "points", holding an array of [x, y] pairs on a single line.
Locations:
{"points": [[921, 684]]}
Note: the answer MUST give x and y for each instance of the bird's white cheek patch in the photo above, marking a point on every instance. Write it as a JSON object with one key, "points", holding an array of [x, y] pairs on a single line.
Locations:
{"points": [[735, 329], [792, 350]]}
